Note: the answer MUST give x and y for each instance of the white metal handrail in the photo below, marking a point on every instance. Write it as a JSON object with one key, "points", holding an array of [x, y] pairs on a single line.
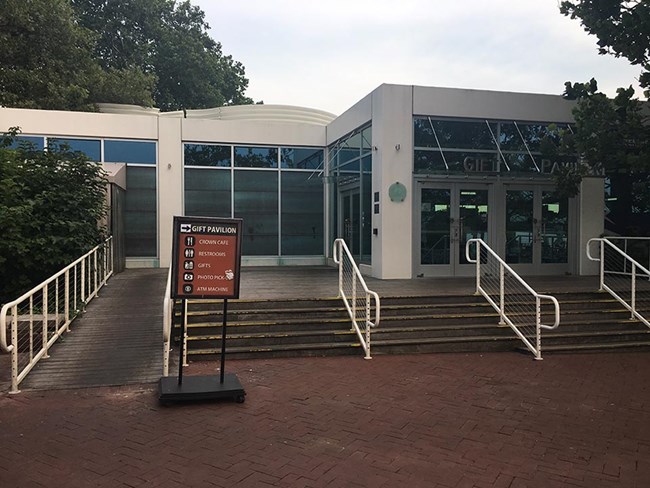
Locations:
{"points": [[168, 310], [622, 277], [40, 316], [518, 305], [358, 299]]}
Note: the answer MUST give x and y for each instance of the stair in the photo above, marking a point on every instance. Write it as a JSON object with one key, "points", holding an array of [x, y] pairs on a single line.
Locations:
{"points": [[422, 324]]}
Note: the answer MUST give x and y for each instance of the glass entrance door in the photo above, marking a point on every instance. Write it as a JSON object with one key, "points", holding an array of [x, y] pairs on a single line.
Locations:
{"points": [[536, 230], [450, 215]]}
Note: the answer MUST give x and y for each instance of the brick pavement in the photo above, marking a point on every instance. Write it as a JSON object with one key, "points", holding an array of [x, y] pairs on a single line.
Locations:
{"points": [[446, 420]]}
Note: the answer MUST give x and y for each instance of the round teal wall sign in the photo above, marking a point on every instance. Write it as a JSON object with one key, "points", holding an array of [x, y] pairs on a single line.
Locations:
{"points": [[397, 192]]}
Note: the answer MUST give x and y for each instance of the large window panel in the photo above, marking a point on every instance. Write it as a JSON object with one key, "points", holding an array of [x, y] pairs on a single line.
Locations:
{"points": [[30, 142], [454, 134], [136, 152], [207, 155], [256, 201], [301, 158], [140, 227], [207, 192], [302, 214], [90, 147], [256, 157]]}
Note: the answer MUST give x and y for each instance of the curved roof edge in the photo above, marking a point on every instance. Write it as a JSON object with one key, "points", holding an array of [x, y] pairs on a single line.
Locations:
{"points": [[122, 108], [263, 113]]}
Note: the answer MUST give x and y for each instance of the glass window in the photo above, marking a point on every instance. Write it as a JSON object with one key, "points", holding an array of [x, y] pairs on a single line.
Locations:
{"points": [[302, 214], [519, 226], [256, 157], [27, 142], [90, 147], [555, 226], [139, 152], [207, 155], [301, 158], [458, 162], [207, 193], [454, 134], [515, 137], [140, 227], [256, 201]]}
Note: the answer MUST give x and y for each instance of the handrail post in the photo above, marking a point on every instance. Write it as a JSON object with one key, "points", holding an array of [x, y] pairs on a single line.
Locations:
{"points": [[538, 335], [14, 350], [354, 298], [67, 301], [602, 264], [502, 298], [83, 280], [633, 297], [44, 337], [367, 356], [184, 338], [339, 249], [478, 267]]}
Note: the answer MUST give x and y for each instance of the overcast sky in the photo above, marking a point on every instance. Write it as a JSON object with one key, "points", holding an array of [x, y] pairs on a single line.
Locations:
{"points": [[329, 54]]}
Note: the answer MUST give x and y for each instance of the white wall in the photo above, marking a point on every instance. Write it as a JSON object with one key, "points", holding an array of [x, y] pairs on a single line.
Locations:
{"points": [[484, 104], [392, 162], [591, 220], [79, 124]]}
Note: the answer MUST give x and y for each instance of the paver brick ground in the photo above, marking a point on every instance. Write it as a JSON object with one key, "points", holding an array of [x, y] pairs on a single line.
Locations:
{"points": [[446, 420]]}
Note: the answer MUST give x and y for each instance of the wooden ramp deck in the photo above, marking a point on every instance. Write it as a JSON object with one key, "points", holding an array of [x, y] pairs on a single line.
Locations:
{"points": [[117, 341]]}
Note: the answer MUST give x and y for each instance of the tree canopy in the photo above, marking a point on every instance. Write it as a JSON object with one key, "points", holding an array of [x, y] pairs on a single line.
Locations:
{"points": [[622, 28], [72, 54], [612, 135], [51, 203]]}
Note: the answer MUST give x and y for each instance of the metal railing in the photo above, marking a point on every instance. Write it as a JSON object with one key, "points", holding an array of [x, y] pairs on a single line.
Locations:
{"points": [[518, 305], [358, 299], [39, 317], [168, 314], [623, 277]]}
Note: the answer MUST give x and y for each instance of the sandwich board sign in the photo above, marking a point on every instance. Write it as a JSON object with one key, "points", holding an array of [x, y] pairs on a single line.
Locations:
{"points": [[206, 262], [206, 257]]}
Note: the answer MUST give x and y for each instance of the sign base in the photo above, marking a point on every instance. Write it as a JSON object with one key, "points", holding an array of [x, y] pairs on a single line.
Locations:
{"points": [[198, 388]]}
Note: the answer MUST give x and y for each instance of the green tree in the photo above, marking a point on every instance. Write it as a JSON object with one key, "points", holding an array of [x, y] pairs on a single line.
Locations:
{"points": [[45, 59], [50, 205], [612, 135], [170, 42], [622, 28]]}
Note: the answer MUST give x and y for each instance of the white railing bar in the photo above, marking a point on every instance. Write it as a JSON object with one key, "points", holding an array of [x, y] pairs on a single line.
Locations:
{"points": [[618, 250], [168, 308], [46, 341], [501, 306], [634, 274], [516, 276], [339, 249]]}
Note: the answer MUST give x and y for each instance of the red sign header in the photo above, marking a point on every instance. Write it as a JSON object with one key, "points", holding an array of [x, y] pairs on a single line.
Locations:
{"points": [[206, 257]]}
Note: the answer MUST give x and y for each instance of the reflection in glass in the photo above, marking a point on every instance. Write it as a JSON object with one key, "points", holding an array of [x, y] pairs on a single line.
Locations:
{"points": [[473, 221], [207, 193], [555, 218], [256, 157], [136, 152], [140, 212], [90, 147], [302, 214], [27, 142], [207, 155], [519, 226], [256, 201], [301, 158], [434, 224], [454, 134]]}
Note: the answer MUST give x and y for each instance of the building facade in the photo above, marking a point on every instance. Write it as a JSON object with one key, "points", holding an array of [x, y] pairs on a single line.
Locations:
{"points": [[406, 176]]}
